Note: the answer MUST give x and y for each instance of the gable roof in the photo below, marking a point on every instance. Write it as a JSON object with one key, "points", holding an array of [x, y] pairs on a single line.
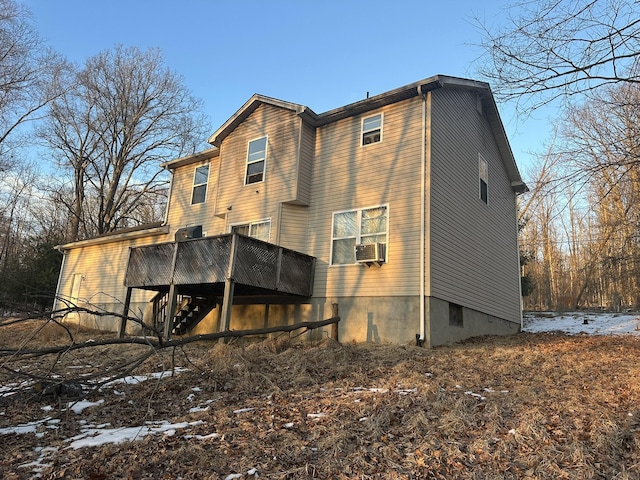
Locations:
{"points": [[393, 96]]}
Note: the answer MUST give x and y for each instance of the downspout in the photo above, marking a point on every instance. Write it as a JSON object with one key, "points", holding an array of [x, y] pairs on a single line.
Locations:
{"points": [[520, 268], [166, 210], [64, 257], [423, 199]]}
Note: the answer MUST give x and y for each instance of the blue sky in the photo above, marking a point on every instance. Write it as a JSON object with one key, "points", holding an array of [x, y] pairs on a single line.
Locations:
{"points": [[322, 54]]}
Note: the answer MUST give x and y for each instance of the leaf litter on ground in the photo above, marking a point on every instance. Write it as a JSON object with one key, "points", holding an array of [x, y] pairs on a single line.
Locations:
{"points": [[531, 405]]}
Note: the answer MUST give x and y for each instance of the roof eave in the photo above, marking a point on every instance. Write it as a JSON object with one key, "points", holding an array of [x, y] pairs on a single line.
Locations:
{"points": [[126, 234], [189, 159]]}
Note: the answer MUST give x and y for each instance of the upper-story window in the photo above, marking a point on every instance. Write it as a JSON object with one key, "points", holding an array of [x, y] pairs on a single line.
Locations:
{"points": [[372, 129], [353, 227], [483, 167], [200, 180], [256, 160]]}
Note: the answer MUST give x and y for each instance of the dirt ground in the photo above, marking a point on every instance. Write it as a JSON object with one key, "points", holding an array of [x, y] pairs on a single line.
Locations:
{"points": [[538, 406]]}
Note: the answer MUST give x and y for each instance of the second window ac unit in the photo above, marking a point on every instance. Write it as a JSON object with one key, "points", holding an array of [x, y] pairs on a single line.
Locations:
{"points": [[371, 253]]}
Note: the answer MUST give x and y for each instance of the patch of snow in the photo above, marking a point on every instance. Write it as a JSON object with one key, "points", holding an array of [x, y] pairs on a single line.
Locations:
{"points": [[574, 323], [244, 410], [13, 388], [198, 409], [91, 436], [38, 465], [316, 415], [407, 391], [475, 395], [30, 427], [78, 407], [379, 390], [206, 437], [135, 379]]}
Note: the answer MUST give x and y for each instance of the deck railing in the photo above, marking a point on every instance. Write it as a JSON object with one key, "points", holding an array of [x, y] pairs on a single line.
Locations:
{"points": [[214, 260]]}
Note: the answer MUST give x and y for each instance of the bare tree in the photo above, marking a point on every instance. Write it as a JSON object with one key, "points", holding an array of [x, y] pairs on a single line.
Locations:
{"points": [[30, 78], [127, 113], [551, 49]]}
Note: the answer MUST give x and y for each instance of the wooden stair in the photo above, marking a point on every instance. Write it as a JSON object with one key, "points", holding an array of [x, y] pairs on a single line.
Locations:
{"points": [[189, 312]]}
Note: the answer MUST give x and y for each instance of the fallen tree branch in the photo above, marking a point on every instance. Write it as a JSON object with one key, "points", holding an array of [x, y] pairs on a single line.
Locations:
{"points": [[161, 343]]}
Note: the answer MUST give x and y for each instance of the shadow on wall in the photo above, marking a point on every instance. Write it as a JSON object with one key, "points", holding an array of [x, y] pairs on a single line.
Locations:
{"points": [[372, 330]]}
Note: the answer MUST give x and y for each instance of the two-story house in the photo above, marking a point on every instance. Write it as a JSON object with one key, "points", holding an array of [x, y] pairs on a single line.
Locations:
{"points": [[400, 208]]}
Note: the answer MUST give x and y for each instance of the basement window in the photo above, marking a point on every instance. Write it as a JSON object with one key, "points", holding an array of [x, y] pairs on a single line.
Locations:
{"points": [[455, 315], [200, 180], [372, 129]]}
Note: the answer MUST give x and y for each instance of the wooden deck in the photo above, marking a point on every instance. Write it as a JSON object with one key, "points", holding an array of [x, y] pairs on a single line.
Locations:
{"points": [[222, 266]]}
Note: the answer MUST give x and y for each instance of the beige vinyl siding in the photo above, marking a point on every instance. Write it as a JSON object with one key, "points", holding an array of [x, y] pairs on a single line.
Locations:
{"points": [[182, 213], [258, 200], [293, 227], [349, 176], [474, 257], [305, 163], [103, 268]]}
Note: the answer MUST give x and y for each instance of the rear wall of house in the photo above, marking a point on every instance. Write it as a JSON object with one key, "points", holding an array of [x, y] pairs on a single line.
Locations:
{"points": [[349, 176]]}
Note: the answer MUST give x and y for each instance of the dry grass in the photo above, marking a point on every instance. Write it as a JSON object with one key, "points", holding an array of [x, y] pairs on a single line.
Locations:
{"points": [[527, 406]]}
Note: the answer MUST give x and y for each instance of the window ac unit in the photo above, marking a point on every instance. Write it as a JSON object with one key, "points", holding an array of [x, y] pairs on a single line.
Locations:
{"points": [[371, 253], [189, 233]]}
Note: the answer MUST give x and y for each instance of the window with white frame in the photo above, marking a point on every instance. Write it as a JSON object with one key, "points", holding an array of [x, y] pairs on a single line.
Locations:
{"points": [[484, 178], [200, 181], [260, 229], [256, 160], [372, 129], [353, 227]]}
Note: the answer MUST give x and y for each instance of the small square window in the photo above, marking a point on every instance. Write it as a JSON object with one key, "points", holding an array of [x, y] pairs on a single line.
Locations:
{"points": [[200, 180], [455, 315], [484, 179], [372, 129]]}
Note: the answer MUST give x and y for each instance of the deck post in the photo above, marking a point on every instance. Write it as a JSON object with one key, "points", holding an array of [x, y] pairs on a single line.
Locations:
{"points": [[125, 313], [229, 285], [334, 326], [173, 295]]}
